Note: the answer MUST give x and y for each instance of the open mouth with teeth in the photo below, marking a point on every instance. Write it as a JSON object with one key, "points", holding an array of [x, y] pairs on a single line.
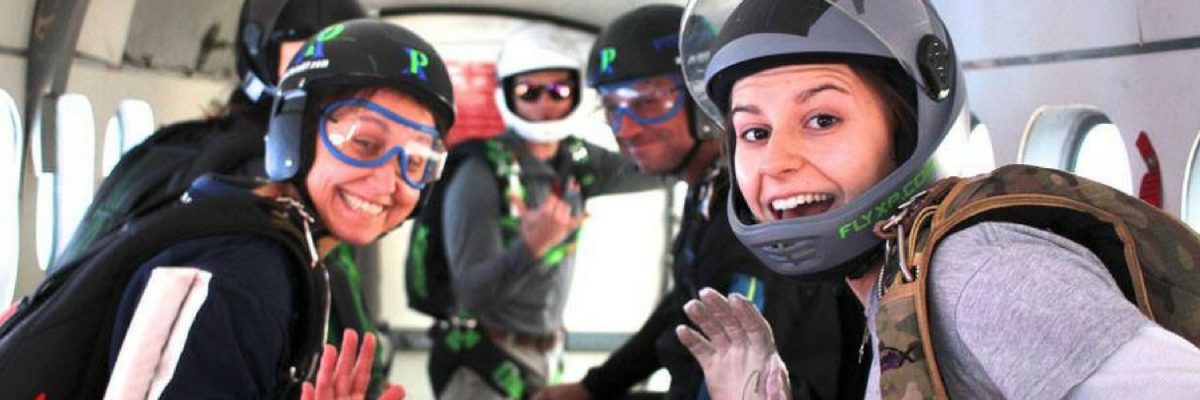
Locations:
{"points": [[800, 205], [362, 205]]}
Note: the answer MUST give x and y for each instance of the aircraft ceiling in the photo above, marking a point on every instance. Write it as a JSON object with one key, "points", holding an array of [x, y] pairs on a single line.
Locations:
{"points": [[197, 39], [590, 13]]}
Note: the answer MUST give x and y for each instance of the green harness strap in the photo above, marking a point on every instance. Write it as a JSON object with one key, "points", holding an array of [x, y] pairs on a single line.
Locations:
{"points": [[342, 259], [508, 170]]}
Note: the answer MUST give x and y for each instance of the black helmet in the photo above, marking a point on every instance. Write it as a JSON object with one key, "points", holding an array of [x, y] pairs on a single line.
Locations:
{"points": [[360, 53], [644, 43], [905, 36], [641, 43], [264, 24]]}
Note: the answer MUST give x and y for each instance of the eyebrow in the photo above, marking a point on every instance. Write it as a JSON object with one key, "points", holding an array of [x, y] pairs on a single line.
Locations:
{"points": [[748, 109], [810, 93], [374, 119], [803, 97]]}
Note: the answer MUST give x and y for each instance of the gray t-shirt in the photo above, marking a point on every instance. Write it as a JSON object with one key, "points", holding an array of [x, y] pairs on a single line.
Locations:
{"points": [[502, 285], [1019, 312]]}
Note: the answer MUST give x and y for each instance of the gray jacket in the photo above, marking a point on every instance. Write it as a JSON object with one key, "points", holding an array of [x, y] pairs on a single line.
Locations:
{"points": [[502, 285]]}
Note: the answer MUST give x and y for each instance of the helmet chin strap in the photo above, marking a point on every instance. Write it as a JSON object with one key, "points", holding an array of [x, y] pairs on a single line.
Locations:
{"points": [[318, 227], [696, 141], [255, 88], [298, 182]]}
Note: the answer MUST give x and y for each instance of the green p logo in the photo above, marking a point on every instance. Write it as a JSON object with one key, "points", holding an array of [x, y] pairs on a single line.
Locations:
{"points": [[607, 56], [417, 61], [317, 48], [331, 33]]}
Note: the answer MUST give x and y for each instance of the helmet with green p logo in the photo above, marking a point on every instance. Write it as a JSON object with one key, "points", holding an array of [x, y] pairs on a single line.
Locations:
{"points": [[362, 53]]}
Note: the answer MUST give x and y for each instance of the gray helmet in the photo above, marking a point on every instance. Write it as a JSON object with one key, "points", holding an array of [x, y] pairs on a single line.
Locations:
{"points": [[725, 40]]}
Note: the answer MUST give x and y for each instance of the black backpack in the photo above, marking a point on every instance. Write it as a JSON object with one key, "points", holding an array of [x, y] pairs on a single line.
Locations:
{"points": [[56, 344], [427, 268], [156, 172]]}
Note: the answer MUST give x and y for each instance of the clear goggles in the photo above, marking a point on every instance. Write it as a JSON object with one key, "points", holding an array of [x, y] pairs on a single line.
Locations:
{"points": [[642, 101], [367, 135]]}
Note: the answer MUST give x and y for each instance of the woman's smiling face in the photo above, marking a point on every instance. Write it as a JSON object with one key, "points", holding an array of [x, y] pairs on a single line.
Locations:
{"points": [[809, 138], [359, 204]]}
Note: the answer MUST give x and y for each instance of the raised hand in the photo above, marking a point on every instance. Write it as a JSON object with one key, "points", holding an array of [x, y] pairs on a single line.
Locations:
{"points": [[346, 377], [546, 226], [736, 350]]}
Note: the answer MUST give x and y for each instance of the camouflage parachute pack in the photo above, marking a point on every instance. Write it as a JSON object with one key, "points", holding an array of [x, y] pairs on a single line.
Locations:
{"points": [[1153, 257]]}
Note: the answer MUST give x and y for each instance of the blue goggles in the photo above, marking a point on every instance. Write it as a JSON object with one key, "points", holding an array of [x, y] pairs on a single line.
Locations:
{"points": [[367, 135], [642, 101]]}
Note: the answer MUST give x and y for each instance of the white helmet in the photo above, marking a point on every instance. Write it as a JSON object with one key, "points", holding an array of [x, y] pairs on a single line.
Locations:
{"points": [[536, 47]]}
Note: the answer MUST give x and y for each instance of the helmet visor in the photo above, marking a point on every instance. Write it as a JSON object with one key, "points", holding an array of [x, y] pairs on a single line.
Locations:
{"points": [[718, 34], [367, 135], [647, 101]]}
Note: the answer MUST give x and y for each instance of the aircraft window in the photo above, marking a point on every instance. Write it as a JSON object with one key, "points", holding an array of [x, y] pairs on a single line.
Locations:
{"points": [[76, 175], [1191, 189], [1101, 156], [1079, 139], [45, 219], [10, 172], [951, 152], [967, 148], [130, 125]]}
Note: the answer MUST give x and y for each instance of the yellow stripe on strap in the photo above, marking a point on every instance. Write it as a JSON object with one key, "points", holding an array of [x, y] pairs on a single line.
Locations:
{"points": [[752, 289]]}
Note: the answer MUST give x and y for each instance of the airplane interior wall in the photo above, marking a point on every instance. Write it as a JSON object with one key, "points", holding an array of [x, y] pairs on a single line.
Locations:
{"points": [[12, 78], [1012, 67], [1147, 101], [105, 29], [14, 38], [174, 97], [107, 72], [115, 61]]}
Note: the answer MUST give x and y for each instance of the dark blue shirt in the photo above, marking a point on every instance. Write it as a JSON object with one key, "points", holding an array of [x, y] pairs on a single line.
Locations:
{"points": [[238, 343]]}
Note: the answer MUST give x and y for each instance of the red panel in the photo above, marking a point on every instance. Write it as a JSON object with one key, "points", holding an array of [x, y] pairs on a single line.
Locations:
{"points": [[477, 117], [1150, 189]]}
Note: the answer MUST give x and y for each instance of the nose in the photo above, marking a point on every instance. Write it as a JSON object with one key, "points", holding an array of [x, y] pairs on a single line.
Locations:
{"points": [[782, 157], [386, 177], [543, 107], [545, 100]]}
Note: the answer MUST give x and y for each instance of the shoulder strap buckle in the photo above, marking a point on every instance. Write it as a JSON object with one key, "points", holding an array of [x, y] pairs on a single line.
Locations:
{"points": [[891, 230], [306, 220]]}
